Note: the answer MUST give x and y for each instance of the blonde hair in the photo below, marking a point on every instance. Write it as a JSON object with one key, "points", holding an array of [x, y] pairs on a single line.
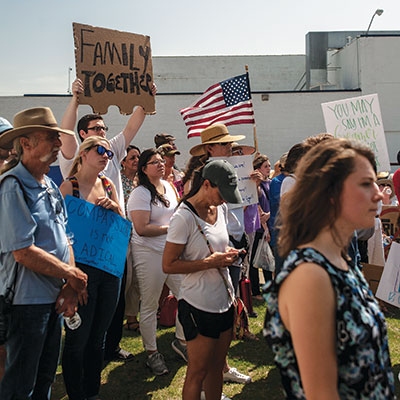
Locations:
{"points": [[86, 145]]}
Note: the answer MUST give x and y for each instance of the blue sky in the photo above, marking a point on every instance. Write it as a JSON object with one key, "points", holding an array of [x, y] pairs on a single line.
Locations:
{"points": [[36, 39]]}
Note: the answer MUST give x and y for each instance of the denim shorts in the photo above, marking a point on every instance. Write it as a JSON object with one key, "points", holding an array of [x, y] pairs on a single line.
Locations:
{"points": [[195, 321]]}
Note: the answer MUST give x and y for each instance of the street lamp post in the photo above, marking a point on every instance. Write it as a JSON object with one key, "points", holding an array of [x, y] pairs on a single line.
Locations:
{"points": [[378, 12]]}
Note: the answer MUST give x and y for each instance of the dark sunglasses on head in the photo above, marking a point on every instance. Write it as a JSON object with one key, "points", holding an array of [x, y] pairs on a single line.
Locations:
{"points": [[224, 143], [101, 150]]}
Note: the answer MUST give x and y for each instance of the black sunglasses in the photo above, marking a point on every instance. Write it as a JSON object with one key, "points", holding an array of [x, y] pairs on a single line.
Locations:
{"points": [[101, 150], [98, 128]]}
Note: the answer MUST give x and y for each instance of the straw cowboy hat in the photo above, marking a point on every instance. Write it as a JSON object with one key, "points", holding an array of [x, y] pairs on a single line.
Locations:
{"points": [[216, 133], [31, 120]]}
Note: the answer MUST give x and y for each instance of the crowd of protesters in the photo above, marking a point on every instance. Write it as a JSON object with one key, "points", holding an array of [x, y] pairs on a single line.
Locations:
{"points": [[189, 228]]}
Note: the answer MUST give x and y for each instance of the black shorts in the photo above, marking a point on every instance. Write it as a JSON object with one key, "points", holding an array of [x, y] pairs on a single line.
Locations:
{"points": [[195, 321]]}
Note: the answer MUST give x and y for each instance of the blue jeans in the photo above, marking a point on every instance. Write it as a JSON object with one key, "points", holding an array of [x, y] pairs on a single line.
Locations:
{"points": [[83, 353], [32, 352]]}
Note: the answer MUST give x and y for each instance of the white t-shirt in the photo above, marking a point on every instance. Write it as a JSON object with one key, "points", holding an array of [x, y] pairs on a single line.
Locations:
{"points": [[206, 289], [287, 184], [140, 199], [112, 170]]}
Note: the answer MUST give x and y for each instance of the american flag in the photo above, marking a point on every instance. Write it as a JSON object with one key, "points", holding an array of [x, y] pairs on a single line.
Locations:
{"points": [[227, 102]]}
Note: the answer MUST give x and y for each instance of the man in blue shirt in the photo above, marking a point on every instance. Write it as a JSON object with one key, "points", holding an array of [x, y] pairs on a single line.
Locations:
{"points": [[36, 258]]}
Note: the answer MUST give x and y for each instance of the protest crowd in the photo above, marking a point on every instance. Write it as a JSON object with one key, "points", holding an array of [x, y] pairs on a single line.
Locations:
{"points": [[193, 243]]}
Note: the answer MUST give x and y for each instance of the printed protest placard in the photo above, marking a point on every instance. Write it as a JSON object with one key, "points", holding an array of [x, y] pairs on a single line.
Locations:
{"points": [[389, 285], [101, 236], [359, 118], [115, 67], [244, 167]]}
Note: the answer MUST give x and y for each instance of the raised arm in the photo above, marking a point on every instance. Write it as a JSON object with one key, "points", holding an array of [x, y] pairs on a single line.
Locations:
{"points": [[70, 143], [135, 121]]}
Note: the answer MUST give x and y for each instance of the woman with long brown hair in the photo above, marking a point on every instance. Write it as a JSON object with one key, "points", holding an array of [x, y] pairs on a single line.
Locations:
{"points": [[323, 323], [150, 207]]}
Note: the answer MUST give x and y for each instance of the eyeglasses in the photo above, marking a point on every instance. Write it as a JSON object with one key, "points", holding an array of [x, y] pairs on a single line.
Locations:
{"points": [[55, 202], [224, 143], [101, 150], [98, 128], [156, 162]]}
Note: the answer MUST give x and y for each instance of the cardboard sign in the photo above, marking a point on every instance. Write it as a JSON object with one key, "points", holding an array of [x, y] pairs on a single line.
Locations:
{"points": [[359, 118], [372, 274], [115, 67], [244, 167], [101, 236], [389, 285], [390, 218]]}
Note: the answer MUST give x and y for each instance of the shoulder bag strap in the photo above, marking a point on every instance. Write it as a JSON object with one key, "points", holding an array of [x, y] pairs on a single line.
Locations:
{"points": [[194, 213]]}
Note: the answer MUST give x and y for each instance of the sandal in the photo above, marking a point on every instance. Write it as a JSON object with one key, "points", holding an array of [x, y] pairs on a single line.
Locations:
{"points": [[132, 326]]}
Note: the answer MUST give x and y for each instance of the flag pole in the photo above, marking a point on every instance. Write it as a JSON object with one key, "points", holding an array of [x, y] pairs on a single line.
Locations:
{"points": [[255, 140]]}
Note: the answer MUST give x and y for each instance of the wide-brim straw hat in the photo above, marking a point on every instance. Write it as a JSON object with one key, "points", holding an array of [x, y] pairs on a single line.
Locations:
{"points": [[216, 133], [30, 120]]}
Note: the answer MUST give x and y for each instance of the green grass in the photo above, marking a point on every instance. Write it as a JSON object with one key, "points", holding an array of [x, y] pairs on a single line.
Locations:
{"points": [[133, 381]]}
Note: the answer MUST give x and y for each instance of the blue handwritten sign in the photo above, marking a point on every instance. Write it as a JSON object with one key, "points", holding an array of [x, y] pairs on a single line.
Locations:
{"points": [[101, 236]]}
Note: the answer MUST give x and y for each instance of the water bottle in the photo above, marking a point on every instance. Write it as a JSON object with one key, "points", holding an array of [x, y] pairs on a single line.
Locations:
{"points": [[387, 191], [73, 322]]}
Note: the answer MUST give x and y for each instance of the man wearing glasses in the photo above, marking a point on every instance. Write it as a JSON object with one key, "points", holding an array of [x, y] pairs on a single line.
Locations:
{"points": [[93, 124], [90, 125], [36, 259]]}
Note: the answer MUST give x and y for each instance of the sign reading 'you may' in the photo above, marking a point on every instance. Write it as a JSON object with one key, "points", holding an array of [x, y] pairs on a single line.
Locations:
{"points": [[115, 68], [359, 118]]}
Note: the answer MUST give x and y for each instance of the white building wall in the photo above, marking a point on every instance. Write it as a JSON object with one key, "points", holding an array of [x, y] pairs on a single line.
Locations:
{"points": [[197, 73], [283, 120], [369, 65]]}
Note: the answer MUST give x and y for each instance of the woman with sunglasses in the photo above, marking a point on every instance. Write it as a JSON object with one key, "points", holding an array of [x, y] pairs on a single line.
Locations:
{"points": [[82, 357], [150, 207]]}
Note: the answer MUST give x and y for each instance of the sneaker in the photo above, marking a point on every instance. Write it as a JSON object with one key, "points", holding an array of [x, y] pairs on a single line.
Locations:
{"points": [[157, 364], [233, 375], [180, 349], [123, 355], [203, 396]]}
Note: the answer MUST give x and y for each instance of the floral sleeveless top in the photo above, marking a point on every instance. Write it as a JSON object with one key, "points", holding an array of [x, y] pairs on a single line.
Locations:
{"points": [[364, 368]]}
